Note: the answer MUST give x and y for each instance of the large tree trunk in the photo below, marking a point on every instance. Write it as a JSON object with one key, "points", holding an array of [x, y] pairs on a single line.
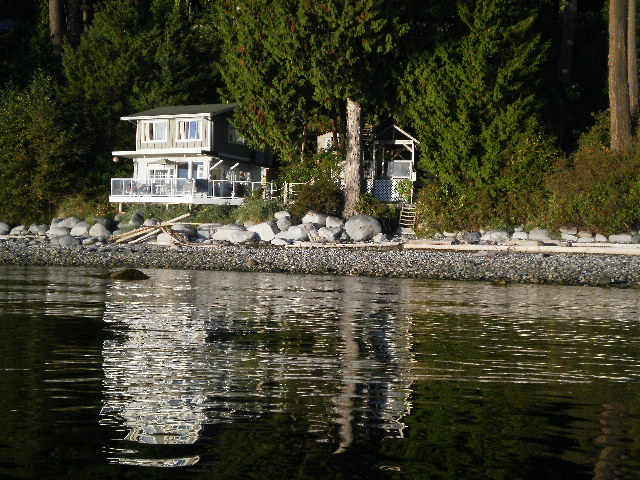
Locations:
{"points": [[56, 26], [618, 83], [74, 22], [352, 181], [568, 14], [632, 59], [86, 14]]}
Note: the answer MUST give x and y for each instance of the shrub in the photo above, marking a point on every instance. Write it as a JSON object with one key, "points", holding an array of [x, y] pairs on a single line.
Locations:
{"points": [[214, 214], [257, 209], [323, 196], [387, 213]]}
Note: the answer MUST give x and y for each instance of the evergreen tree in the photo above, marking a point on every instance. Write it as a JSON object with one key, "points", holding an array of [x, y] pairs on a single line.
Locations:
{"points": [[473, 104], [40, 153]]}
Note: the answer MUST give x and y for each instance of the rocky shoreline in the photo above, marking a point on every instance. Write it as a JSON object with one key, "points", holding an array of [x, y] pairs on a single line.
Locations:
{"points": [[373, 260]]}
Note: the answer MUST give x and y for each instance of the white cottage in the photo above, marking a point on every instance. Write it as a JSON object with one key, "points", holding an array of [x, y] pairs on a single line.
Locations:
{"points": [[190, 154]]}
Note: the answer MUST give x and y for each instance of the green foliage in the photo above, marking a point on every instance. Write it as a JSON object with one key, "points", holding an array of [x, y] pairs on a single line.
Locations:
{"points": [[292, 64], [323, 195], [387, 213], [257, 209], [224, 214], [325, 165], [40, 153], [596, 189], [473, 104], [80, 206]]}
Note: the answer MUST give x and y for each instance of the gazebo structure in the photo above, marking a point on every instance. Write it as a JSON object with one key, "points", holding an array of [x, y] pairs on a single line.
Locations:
{"points": [[390, 165]]}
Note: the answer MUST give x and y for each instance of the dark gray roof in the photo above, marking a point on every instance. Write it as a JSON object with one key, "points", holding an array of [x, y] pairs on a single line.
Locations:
{"points": [[212, 108]]}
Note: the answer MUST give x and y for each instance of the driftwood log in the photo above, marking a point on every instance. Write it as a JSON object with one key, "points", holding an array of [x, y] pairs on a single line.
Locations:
{"points": [[141, 234]]}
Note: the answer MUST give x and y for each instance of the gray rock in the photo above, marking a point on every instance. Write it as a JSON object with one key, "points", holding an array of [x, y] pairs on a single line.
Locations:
{"points": [[280, 242], [150, 222], [99, 230], [284, 223], [333, 222], [623, 238], [266, 231], [569, 230], [584, 233], [19, 230], [380, 238], [601, 238], [89, 241], [58, 231], [520, 236], [567, 237], [137, 219], [233, 226], [188, 230], [69, 222], [80, 230], [318, 219], [362, 227], [233, 235], [67, 241], [330, 233], [589, 239], [281, 214], [242, 236], [472, 237], [4, 228], [495, 236], [541, 234], [38, 229], [297, 233], [164, 239]]}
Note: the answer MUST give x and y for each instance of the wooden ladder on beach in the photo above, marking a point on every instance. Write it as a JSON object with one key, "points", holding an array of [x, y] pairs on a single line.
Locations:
{"points": [[407, 219]]}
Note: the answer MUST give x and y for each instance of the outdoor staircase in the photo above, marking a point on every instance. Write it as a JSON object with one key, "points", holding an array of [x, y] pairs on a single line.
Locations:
{"points": [[407, 219]]}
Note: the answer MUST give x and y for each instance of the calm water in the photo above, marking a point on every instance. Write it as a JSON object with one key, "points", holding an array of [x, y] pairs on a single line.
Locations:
{"points": [[239, 376]]}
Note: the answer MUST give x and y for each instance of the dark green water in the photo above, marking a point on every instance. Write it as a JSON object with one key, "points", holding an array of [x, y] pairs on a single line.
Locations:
{"points": [[219, 375]]}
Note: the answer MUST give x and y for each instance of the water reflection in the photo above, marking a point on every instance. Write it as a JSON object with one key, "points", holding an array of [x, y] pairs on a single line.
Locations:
{"points": [[189, 349]]}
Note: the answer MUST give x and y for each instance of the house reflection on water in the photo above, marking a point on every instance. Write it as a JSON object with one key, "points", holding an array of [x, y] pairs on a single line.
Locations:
{"points": [[190, 349]]}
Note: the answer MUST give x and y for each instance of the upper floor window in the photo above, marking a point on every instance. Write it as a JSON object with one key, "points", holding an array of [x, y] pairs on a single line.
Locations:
{"points": [[154, 131], [189, 130], [234, 136]]}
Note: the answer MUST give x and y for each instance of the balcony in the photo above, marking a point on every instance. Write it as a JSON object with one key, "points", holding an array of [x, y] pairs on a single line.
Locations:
{"points": [[181, 190]]}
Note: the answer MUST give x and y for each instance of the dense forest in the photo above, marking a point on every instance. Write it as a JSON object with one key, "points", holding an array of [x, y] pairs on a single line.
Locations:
{"points": [[526, 110]]}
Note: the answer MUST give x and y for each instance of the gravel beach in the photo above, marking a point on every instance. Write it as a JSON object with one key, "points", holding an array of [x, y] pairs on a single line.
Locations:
{"points": [[502, 267]]}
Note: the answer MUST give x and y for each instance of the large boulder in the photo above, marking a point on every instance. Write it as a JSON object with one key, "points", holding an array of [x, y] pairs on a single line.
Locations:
{"points": [[266, 231], [137, 219], [38, 229], [19, 230], [234, 234], [241, 236], [333, 222], [499, 236], [185, 229], [58, 231], [297, 233], [284, 223], [99, 230], [207, 230], [80, 230], [4, 228], [69, 222], [165, 239], [65, 241], [362, 227], [330, 233], [319, 220], [150, 222]]}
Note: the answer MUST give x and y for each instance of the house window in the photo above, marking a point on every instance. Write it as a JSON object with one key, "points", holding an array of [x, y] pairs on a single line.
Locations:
{"points": [[188, 130], [235, 137], [199, 170], [154, 131], [400, 169]]}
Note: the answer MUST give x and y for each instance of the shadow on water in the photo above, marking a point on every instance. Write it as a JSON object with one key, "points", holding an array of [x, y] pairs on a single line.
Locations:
{"points": [[232, 375]]}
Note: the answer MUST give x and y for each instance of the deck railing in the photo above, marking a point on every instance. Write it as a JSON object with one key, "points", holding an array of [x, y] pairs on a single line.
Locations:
{"points": [[181, 187]]}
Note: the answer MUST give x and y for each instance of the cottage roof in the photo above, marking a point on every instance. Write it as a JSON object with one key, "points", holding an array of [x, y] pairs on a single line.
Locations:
{"points": [[183, 110]]}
